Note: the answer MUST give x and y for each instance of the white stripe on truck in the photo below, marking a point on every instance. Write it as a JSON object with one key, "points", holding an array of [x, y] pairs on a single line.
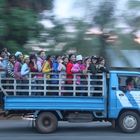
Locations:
{"points": [[123, 99]]}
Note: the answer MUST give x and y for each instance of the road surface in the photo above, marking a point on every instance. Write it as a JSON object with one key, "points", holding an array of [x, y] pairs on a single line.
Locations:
{"points": [[22, 130]]}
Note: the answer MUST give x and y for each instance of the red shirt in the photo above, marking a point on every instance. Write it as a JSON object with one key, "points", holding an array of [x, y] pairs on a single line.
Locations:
{"points": [[69, 73], [32, 68]]}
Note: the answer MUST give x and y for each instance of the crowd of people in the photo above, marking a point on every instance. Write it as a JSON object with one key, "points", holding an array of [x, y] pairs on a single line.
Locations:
{"points": [[19, 66]]}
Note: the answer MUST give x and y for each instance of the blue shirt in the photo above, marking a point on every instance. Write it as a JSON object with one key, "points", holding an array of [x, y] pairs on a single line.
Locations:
{"points": [[25, 70]]}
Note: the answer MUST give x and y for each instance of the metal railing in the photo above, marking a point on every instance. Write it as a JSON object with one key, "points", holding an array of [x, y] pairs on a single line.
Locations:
{"points": [[55, 84]]}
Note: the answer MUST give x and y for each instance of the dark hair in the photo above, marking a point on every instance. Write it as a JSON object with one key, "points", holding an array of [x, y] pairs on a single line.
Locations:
{"points": [[33, 56], [48, 57], [4, 49], [94, 57], [70, 55], [11, 56], [100, 59], [86, 59], [40, 52], [63, 58], [1, 52], [57, 56], [130, 79]]}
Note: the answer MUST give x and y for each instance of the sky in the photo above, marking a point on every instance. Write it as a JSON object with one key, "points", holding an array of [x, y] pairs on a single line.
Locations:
{"points": [[65, 8]]}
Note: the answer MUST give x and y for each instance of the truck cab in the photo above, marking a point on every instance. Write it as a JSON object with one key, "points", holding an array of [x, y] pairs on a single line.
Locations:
{"points": [[124, 99]]}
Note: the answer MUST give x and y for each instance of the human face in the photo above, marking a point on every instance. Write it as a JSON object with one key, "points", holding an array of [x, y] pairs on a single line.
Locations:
{"points": [[59, 58], [21, 57], [2, 54], [43, 55], [94, 61], [12, 59], [5, 49], [60, 61], [27, 60], [88, 61], [73, 58], [103, 62], [33, 60], [66, 60]]}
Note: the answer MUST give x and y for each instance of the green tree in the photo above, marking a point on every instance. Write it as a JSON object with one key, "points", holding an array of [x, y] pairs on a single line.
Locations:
{"points": [[58, 31], [132, 16], [78, 40], [19, 21], [103, 18], [102, 15]]}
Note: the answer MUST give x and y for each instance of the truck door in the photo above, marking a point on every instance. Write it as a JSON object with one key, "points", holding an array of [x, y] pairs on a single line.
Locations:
{"points": [[128, 93]]}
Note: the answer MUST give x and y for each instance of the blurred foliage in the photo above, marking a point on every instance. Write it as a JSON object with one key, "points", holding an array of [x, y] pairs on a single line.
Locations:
{"points": [[132, 16], [126, 42], [83, 44], [19, 21], [35, 5], [101, 14], [105, 13], [58, 31], [132, 4]]}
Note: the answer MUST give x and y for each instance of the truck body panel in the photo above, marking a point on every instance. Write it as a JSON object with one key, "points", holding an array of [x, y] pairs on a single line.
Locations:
{"points": [[55, 103]]}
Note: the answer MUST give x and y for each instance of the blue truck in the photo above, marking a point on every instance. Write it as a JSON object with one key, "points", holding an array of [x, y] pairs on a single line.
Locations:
{"points": [[112, 96]]}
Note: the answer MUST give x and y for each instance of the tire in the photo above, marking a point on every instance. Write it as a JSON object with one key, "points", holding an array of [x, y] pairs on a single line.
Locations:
{"points": [[46, 122], [129, 122]]}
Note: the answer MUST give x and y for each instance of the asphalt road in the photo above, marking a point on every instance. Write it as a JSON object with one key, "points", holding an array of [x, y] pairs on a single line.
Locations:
{"points": [[22, 130]]}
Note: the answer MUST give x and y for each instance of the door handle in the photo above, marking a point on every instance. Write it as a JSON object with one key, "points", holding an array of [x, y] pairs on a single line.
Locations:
{"points": [[114, 88]]}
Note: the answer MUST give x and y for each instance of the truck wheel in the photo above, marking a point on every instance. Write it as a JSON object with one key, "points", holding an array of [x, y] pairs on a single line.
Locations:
{"points": [[129, 122], [46, 122]]}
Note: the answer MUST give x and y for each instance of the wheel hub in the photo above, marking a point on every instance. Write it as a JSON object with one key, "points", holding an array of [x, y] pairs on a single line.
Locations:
{"points": [[130, 122], [46, 122]]}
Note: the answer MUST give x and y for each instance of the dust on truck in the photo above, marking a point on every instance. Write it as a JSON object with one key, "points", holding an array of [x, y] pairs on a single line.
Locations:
{"points": [[99, 97]]}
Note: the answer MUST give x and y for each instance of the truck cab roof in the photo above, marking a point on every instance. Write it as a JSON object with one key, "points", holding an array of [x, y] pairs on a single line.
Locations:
{"points": [[125, 70]]}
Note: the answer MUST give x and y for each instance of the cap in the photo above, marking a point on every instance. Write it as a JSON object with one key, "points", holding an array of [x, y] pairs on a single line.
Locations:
{"points": [[79, 57], [26, 56], [18, 53]]}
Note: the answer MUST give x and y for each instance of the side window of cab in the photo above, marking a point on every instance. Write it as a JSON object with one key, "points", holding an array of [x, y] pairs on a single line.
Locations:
{"points": [[121, 83], [128, 83], [137, 83]]}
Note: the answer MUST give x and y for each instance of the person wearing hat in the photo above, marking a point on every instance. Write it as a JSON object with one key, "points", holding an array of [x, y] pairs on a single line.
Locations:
{"points": [[25, 67], [77, 68], [25, 73], [18, 65], [17, 54]]}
